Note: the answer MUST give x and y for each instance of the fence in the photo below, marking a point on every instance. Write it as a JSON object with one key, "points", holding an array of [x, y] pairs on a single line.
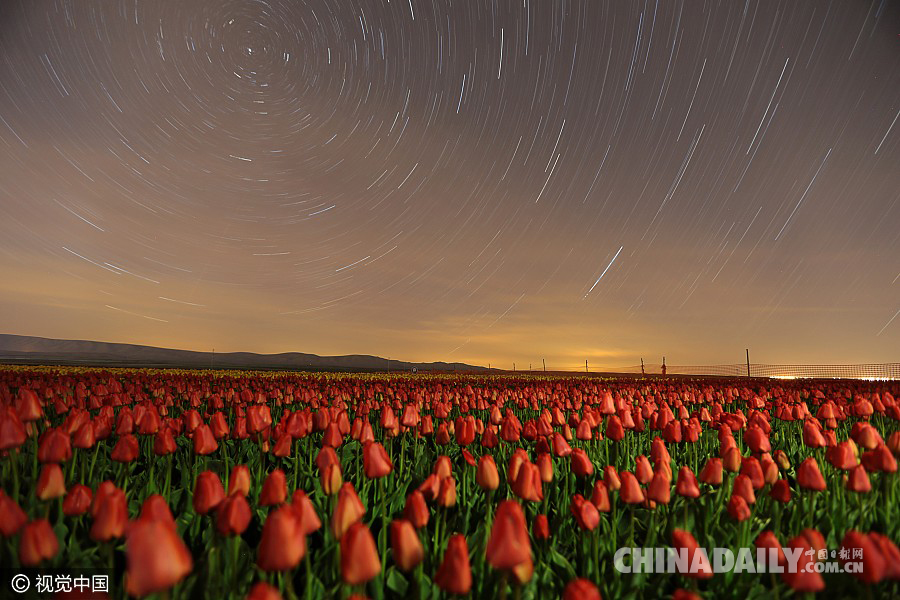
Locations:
{"points": [[863, 371]]}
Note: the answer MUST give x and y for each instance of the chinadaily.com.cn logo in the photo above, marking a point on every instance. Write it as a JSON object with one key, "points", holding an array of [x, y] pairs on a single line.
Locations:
{"points": [[700, 561]]}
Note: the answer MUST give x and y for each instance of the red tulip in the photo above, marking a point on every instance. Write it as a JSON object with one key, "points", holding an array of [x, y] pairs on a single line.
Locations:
{"points": [[842, 456], [258, 418], [642, 469], [611, 478], [164, 442], [309, 519], [873, 563], [283, 544], [879, 459], [805, 578], [683, 539], [12, 517], [12, 431], [51, 483], [630, 492], [812, 435], [37, 543], [540, 528], [443, 468], [889, 552], [204, 440], [744, 488], [263, 591], [208, 492], [738, 508], [233, 515], [84, 436], [809, 477], [768, 539], [77, 501], [581, 464], [375, 461], [660, 488], [110, 511], [455, 575], [447, 494], [359, 556], [126, 449], [545, 467], [415, 510], [781, 491], [508, 545], [731, 460], [687, 485], [332, 478], [752, 469], [614, 429], [274, 489], [527, 484], [155, 508], [600, 496], [585, 513], [858, 480], [28, 405], [348, 511], [581, 589], [486, 476], [712, 472], [406, 545], [157, 557], [55, 447], [239, 480]]}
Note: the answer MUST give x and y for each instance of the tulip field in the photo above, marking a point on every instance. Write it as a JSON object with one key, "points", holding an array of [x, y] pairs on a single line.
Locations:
{"points": [[263, 485]]}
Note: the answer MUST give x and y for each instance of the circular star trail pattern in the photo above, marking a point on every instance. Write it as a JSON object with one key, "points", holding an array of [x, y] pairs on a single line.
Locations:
{"points": [[476, 181]]}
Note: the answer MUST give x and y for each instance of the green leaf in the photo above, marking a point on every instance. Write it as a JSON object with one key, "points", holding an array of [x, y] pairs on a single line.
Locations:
{"points": [[396, 582]]}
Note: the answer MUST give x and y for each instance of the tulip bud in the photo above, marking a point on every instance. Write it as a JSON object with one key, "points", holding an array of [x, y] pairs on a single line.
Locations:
{"points": [[77, 501], [274, 489], [415, 510], [359, 555], [51, 483], [486, 476], [375, 461], [348, 511], [157, 557], [454, 576], [581, 589], [233, 515], [239, 480], [208, 492], [406, 545], [38, 542], [283, 544]]}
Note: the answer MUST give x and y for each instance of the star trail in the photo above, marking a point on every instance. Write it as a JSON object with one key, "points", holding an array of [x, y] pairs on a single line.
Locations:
{"points": [[478, 181]]}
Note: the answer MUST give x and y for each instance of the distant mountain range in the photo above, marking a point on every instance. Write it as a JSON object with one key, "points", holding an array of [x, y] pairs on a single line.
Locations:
{"points": [[23, 349]]}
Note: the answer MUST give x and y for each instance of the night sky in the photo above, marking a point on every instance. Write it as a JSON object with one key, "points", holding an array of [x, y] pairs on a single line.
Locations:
{"points": [[471, 180]]}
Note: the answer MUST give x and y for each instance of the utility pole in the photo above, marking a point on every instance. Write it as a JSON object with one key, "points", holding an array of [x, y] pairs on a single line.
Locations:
{"points": [[748, 362], [545, 364], [585, 366], [514, 367], [642, 366]]}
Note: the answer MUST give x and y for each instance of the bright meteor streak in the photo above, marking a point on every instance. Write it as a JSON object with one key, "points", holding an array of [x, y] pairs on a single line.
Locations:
{"points": [[603, 273]]}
